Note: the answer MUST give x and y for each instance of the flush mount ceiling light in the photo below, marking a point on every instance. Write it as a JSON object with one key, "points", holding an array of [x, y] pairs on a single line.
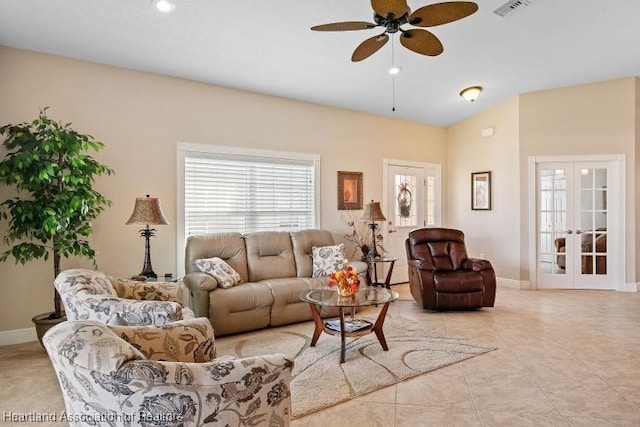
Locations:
{"points": [[164, 6], [471, 93]]}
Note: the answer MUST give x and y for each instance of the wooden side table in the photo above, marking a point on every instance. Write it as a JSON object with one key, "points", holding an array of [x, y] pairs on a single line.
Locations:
{"points": [[372, 265]]}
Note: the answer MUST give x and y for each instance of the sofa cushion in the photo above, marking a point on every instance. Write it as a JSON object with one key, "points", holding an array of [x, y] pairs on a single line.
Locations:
{"points": [[241, 308], [303, 242], [219, 270], [287, 305], [226, 246], [269, 255], [327, 260]]}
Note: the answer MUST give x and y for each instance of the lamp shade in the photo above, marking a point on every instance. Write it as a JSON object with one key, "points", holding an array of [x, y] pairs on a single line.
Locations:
{"points": [[372, 212], [147, 211]]}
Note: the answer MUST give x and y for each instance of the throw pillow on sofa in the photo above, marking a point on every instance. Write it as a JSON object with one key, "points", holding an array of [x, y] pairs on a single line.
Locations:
{"points": [[327, 259], [215, 267]]}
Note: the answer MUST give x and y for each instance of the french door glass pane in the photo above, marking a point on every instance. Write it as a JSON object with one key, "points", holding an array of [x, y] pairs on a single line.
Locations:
{"points": [[552, 199], [593, 221]]}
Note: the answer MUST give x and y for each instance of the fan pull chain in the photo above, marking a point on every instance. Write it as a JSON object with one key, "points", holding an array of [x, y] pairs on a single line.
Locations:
{"points": [[393, 76], [393, 96]]}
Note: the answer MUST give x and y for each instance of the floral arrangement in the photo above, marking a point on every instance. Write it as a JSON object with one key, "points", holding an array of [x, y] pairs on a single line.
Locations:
{"points": [[345, 280], [361, 235]]}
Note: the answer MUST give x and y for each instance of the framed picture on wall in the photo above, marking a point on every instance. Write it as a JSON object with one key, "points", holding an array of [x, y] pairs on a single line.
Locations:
{"points": [[481, 191], [350, 190]]}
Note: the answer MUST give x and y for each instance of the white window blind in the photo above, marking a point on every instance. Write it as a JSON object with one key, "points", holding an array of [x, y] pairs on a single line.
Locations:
{"points": [[245, 193]]}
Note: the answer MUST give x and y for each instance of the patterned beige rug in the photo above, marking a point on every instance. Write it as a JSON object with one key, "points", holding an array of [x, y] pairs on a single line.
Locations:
{"points": [[321, 381]]}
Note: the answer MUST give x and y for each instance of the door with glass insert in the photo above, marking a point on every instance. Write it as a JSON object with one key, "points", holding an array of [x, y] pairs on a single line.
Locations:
{"points": [[574, 235], [411, 197]]}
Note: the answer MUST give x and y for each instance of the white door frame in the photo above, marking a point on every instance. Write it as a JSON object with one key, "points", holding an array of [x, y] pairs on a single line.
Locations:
{"points": [[426, 169], [618, 264]]}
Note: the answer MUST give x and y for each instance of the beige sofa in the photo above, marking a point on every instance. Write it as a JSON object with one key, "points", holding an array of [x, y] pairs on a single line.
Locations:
{"points": [[275, 267]]}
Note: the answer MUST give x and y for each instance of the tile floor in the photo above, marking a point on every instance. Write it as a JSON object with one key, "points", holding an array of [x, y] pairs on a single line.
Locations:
{"points": [[564, 358]]}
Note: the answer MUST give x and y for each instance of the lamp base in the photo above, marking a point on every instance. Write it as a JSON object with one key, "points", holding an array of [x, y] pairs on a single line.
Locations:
{"points": [[147, 270], [373, 252]]}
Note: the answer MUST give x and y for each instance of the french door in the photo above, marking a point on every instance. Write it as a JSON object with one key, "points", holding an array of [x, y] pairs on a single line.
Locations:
{"points": [[577, 240], [411, 199]]}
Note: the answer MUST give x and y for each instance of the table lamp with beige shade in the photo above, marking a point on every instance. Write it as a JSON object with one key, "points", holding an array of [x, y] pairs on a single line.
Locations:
{"points": [[147, 212], [373, 213]]}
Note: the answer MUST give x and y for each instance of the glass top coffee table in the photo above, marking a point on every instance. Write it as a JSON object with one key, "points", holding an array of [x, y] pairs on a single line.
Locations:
{"points": [[351, 327]]}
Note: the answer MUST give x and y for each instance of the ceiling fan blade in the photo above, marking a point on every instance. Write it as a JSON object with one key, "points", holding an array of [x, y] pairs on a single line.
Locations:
{"points": [[442, 13], [369, 47], [345, 26], [384, 8], [421, 41]]}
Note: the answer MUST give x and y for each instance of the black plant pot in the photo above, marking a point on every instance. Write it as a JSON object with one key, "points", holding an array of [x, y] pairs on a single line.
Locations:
{"points": [[44, 322]]}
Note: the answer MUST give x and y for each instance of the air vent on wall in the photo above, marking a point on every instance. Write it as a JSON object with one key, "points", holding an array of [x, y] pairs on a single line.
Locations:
{"points": [[510, 7]]}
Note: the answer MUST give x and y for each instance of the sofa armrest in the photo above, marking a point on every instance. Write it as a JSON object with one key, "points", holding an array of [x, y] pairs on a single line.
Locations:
{"points": [[200, 282], [358, 266], [476, 264], [182, 341], [148, 291]]}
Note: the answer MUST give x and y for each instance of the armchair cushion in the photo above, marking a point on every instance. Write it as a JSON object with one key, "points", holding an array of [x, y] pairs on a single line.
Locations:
{"points": [[188, 340], [147, 291], [103, 376], [457, 281]]}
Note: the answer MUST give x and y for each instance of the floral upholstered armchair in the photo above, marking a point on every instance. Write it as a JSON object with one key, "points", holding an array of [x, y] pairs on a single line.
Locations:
{"points": [[107, 380], [88, 294]]}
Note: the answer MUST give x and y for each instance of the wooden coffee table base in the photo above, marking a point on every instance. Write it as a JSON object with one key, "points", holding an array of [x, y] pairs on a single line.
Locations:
{"points": [[376, 328]]}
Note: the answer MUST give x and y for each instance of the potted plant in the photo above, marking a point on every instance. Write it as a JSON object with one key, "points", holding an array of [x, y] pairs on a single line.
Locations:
{"points": [[50, 215]]}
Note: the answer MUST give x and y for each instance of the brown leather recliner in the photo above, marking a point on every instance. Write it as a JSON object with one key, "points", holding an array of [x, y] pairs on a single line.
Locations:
{"points": [[442, 276]]}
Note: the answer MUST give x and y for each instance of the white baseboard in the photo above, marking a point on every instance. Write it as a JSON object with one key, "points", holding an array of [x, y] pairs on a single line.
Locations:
{"points": [[631, 287], [18, 336], [512, 283]]}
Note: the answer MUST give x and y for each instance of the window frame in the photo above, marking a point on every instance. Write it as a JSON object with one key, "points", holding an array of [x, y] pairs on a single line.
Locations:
{"points": [[183, 149]]}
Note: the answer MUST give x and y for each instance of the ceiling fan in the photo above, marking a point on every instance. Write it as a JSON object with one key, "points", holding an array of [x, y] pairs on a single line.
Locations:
{"points": [[391, 14]]}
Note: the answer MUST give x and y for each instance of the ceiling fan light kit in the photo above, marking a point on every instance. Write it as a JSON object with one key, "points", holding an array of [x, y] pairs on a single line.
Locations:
{"points": [[164, 6], [396, 69], [471, 93], [392, 14]]}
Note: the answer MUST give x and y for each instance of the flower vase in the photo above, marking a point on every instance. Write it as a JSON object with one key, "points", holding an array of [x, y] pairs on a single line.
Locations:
{"points": [[346, 291]]}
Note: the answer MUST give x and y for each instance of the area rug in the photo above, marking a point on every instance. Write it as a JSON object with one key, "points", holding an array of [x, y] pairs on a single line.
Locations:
{"points": [[320, 381]]}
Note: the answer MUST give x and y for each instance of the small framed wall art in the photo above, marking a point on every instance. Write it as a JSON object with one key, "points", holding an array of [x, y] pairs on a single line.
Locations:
{"points": [[350, 190], [481, 191]]}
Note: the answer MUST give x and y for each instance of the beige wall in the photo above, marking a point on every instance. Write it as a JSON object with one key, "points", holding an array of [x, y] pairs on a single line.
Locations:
{"points": [[141, 116], [493, 233], [598, 118]]}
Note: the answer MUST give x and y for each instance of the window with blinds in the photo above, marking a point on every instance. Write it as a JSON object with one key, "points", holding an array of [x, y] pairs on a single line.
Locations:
{"points": [[245, 193]]}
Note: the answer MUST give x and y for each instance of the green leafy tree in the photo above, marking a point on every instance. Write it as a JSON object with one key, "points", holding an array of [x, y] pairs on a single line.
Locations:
{"points": [[47, 163]]}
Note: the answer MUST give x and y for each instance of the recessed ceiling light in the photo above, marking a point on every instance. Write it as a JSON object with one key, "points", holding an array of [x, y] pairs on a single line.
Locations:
{"points": [[164, 6], [395, 69], [471, 93]]}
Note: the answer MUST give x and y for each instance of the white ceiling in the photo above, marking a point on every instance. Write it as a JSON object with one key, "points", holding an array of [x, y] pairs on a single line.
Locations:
{"points": [[267, 47]]}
